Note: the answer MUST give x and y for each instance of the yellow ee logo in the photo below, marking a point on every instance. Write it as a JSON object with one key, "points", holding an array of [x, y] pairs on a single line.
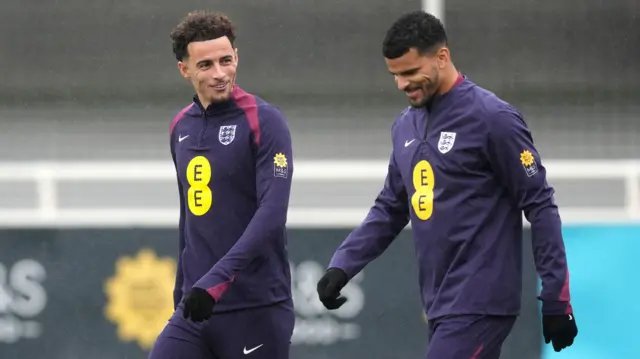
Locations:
{"points": [[423, 182], [199, 194], [140, 297]]}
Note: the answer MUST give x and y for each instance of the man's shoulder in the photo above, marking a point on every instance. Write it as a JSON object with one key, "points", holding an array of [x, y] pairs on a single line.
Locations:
{"points": [[180, 115], [264, 119], [488, 107], [268, 111], [264, 110], [270, 116], [406, 116]]}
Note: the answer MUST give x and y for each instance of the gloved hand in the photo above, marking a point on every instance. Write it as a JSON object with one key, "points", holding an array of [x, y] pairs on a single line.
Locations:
{"points": [[560, 330], [198, 305], [329, 287]]}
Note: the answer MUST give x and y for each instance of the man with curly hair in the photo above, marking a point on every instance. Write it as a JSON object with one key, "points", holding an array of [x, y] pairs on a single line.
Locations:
{"points": [[233, 159], [463, 169]]}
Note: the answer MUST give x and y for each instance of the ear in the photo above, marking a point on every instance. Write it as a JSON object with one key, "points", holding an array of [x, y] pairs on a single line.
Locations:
{"points": [[184, 69], [236, 55], [443, 57]]}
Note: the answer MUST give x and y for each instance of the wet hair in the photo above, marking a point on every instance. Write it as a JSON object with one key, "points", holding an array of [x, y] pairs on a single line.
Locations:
{"points": [[417, 29], [200, 26]]}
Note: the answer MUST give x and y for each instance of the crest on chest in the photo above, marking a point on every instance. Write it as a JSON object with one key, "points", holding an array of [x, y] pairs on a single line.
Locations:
{"points": [[447, 139], [227, 134]]}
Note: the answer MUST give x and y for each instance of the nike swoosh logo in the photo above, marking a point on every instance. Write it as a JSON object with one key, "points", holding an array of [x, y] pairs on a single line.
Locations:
{"points": [[407, 143], [245, 351], [570, 317], [180, 139]]}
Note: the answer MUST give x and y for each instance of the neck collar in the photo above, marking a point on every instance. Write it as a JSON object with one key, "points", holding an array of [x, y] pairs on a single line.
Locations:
{"points": [[435, 99]]}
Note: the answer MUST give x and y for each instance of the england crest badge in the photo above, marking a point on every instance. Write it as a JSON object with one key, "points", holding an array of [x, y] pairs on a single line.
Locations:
{"points": [[446, 141], [227, 134]]}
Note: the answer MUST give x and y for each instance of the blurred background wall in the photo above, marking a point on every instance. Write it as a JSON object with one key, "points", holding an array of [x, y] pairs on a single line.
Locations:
{"points": [[87, 75], [96, 81]]}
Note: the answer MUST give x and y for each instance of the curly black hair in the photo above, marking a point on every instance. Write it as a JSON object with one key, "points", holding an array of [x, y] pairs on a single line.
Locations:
{"points": [[200, 26], [417, 29]]}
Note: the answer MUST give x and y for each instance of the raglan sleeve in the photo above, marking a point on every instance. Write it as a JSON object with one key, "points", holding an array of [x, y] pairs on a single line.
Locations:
{"points": [[519, 168], [177, 291], [274, 171], [382, 224]]}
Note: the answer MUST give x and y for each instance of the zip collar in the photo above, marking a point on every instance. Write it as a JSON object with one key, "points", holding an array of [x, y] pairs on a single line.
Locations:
{"points": [[438, 98]]}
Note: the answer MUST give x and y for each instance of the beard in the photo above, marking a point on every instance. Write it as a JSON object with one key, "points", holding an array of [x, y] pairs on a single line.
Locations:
{"points": [[207, 89], [216, 96], [428, 87]]}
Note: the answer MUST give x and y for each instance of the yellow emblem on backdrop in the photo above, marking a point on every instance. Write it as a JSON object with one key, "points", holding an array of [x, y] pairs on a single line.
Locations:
{"points": [[140, 296]]}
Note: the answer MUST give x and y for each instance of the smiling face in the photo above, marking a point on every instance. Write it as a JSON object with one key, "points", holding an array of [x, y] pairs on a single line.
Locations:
{"points": [[203, 44], [416, 53], [211, 67], [418, 75]]}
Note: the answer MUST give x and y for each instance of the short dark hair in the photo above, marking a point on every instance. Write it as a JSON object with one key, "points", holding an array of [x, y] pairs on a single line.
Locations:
{"points": [[200, 26], [417, 29]]}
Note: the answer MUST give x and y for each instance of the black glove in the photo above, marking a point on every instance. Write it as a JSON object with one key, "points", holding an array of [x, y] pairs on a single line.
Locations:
{"points": [[559, 330], [198, 305], [329, 287]]}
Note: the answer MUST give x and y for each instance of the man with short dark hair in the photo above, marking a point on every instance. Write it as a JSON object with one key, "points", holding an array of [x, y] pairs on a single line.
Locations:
{"points": [[463, 168], [233, 159]]}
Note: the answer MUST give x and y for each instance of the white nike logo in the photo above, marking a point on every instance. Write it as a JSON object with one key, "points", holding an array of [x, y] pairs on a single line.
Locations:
{"points": [[245, 351], [570, 317], [407, 143], [180, 139]]}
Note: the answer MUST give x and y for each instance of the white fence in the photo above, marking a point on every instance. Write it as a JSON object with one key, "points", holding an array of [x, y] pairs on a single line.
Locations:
{"points": [[47, 175]]}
